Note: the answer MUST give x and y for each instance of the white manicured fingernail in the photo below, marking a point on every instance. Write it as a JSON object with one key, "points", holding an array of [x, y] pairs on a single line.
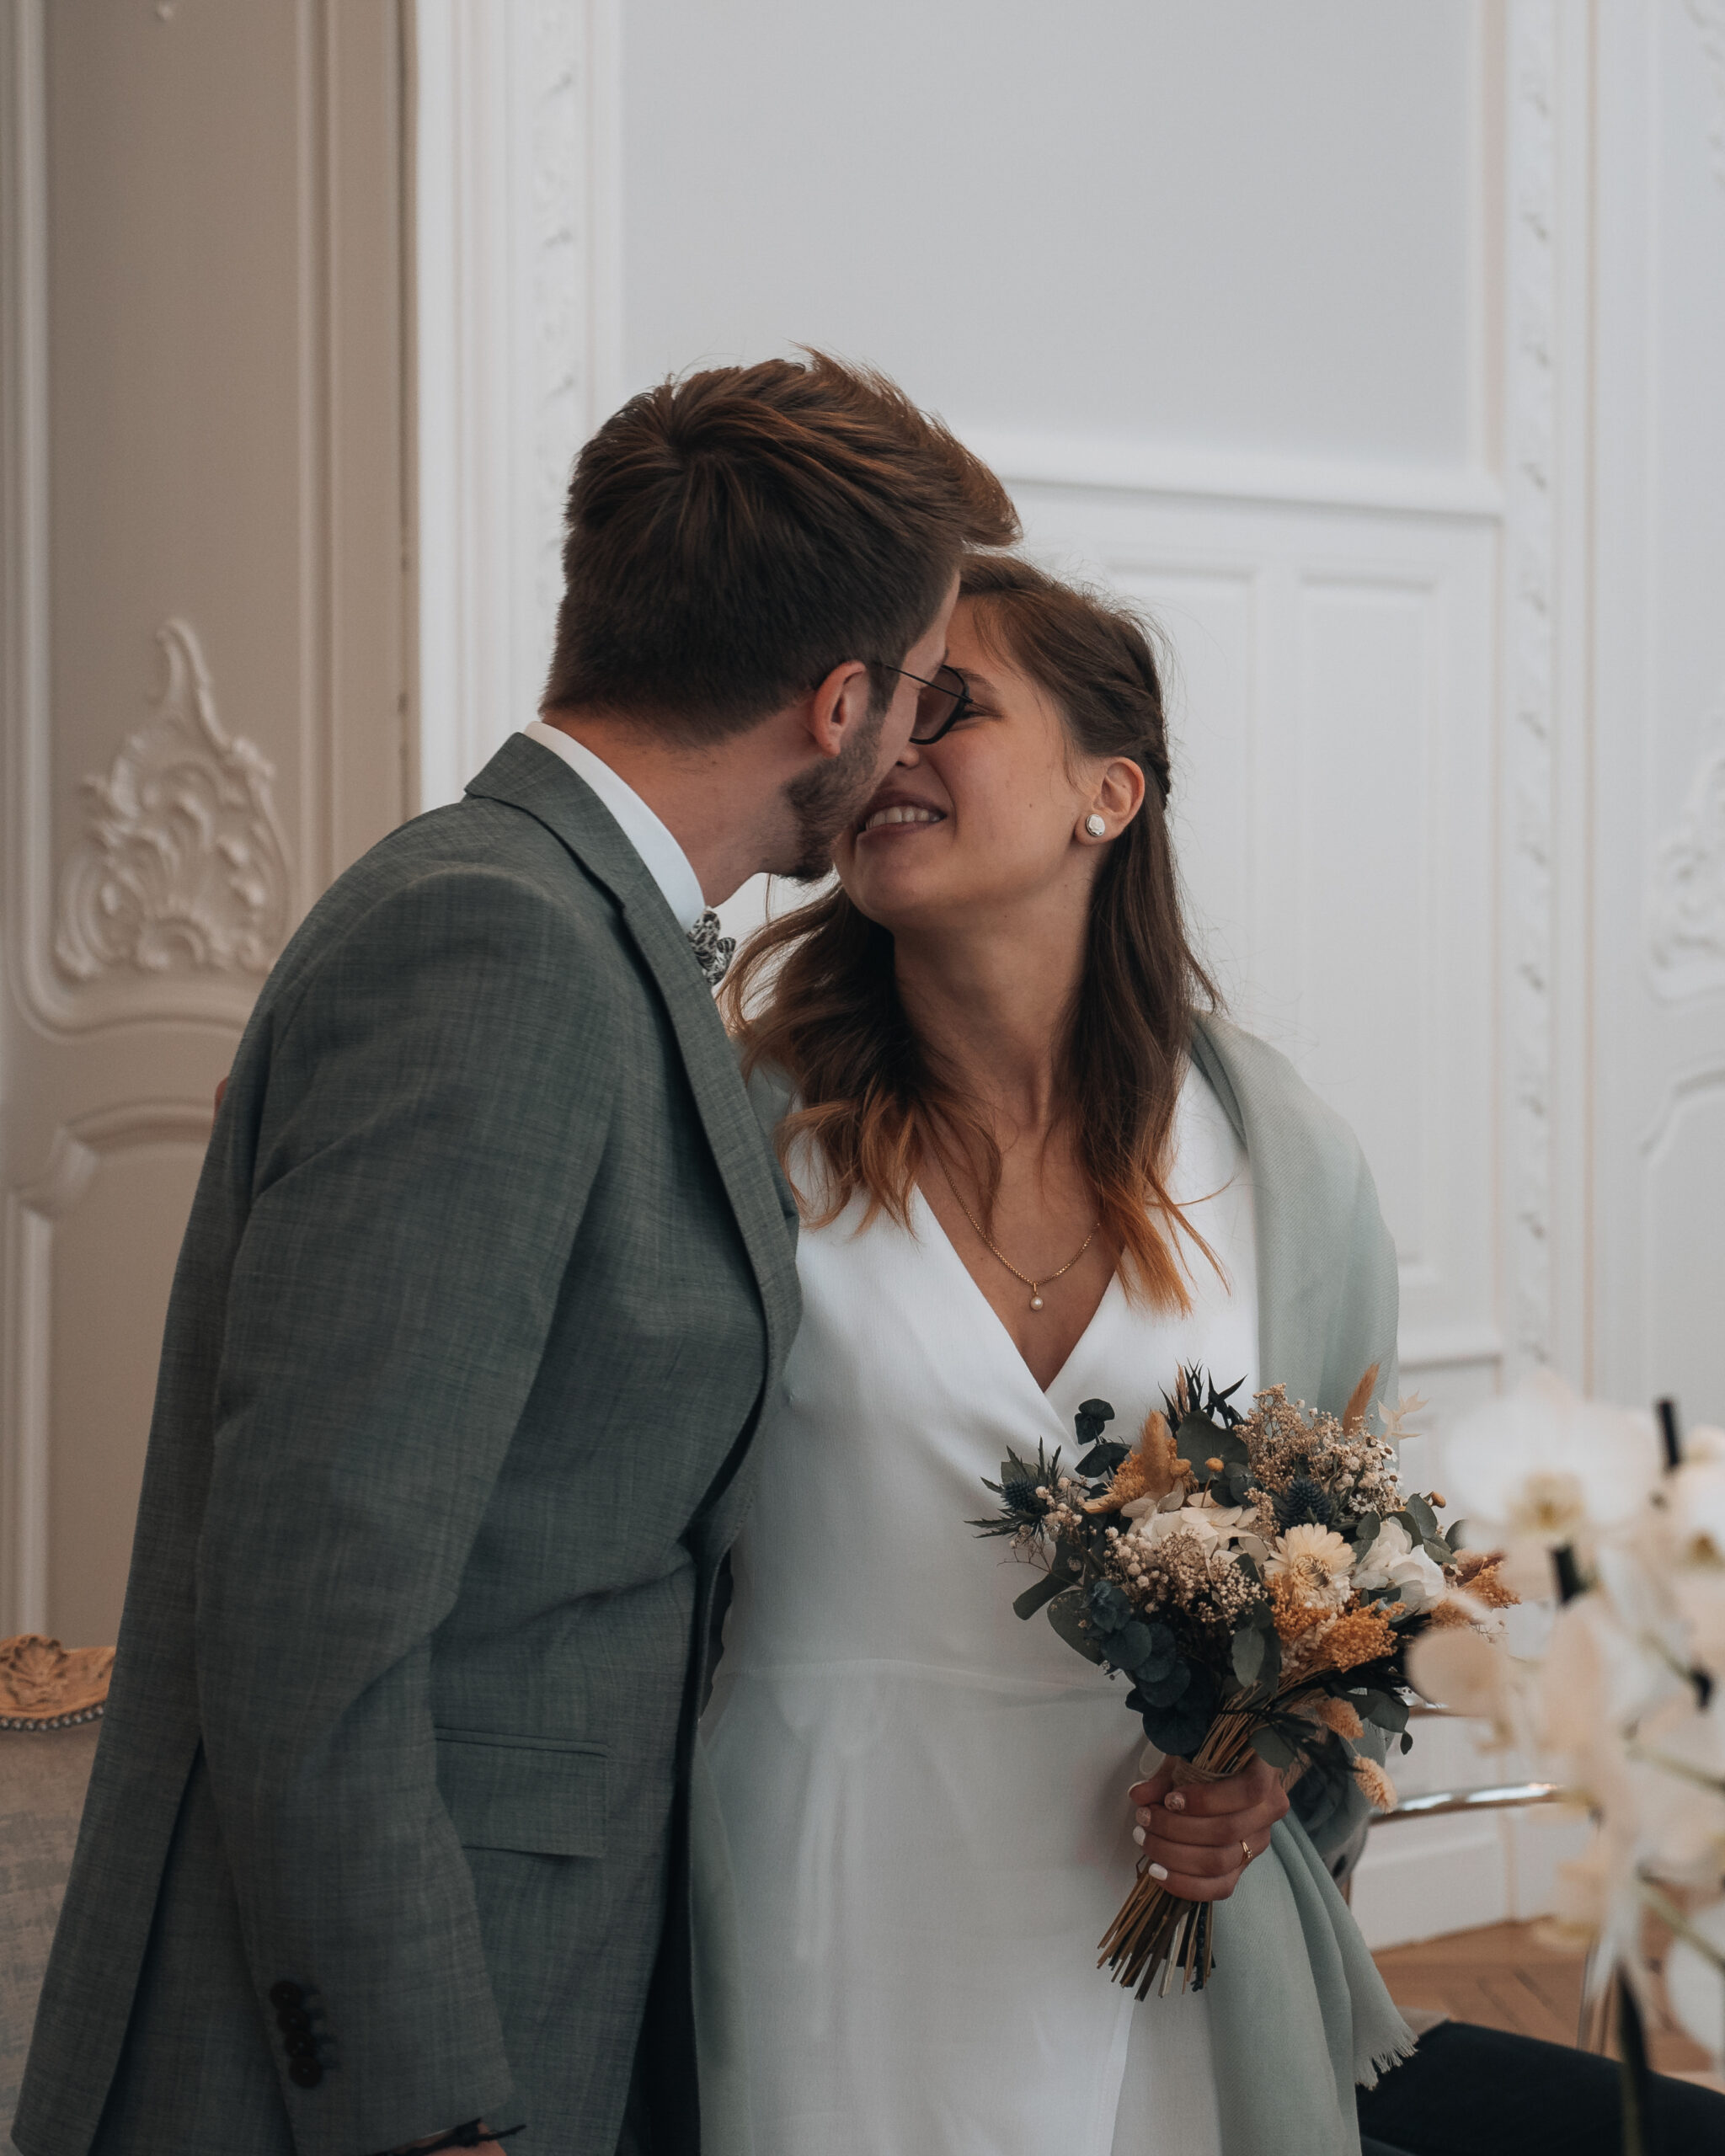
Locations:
{"points": [[1174, 1800], [1137, 1836], [1158, 1870]]}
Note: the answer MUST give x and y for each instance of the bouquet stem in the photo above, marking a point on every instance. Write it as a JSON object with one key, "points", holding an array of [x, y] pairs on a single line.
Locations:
{"points": [[1157, 1933]]}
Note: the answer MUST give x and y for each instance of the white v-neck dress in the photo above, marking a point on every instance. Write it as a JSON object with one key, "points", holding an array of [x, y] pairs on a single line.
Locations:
{"points": [[925, 1797]]}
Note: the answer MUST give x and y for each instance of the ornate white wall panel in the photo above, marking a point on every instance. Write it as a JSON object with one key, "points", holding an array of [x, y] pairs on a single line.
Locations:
{"points": [[1686, 893], [1333, 672], [1658, 649], [183, 867], [205, 675]]}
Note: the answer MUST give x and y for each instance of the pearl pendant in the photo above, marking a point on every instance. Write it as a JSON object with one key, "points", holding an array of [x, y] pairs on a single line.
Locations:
{"points": [[1036, 1302]]}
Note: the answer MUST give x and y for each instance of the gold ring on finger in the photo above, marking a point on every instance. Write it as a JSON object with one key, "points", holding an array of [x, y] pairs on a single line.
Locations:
{"points": [[1245, 1854]]}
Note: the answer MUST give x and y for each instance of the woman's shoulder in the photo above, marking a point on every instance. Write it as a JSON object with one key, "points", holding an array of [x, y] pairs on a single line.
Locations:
{"points": [[1288, 1131]]}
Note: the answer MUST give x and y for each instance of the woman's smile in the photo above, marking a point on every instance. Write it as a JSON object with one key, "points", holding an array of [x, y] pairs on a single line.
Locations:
{"points": [[900, 815]]}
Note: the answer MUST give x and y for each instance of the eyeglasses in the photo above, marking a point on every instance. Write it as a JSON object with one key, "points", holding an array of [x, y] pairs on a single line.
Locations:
{"points": [[944, 700]]}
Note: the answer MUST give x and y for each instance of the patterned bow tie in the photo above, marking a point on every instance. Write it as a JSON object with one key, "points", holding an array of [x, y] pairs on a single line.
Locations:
{"points": [[712, 952]]}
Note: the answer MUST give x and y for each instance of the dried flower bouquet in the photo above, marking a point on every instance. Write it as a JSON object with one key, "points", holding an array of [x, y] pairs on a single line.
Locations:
{"points": [[1258, 1579]]}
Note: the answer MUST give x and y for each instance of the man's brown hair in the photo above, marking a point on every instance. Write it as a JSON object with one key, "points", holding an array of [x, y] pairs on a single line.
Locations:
{"points": [[733, 537]]}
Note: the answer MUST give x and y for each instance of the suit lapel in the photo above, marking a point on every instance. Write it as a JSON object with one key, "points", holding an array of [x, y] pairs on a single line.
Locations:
{"points": [[530, 777], [1295, 1296]]}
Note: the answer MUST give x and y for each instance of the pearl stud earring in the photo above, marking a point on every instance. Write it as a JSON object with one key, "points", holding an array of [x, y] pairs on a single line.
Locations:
{"points": [[1096, 827]]}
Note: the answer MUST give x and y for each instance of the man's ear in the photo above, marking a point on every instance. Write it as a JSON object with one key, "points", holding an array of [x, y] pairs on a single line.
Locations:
{"points": [[838, 706]]}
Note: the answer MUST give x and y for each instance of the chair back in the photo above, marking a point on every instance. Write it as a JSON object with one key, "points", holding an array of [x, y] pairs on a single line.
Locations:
{"points": [[51, 1701]]}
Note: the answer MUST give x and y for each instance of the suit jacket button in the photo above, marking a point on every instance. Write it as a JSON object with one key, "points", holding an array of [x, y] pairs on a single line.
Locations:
{"points": [[305, 2073], [290, 2019], [286, 1995]]}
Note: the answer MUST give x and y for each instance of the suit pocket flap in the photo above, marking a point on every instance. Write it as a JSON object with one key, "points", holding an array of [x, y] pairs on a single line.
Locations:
{"points": [[535, 1795]]}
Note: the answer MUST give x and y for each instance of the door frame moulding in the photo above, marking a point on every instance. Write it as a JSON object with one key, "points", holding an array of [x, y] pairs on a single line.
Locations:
{"points": [[23, 504], [518, 237], [32, 1215]]}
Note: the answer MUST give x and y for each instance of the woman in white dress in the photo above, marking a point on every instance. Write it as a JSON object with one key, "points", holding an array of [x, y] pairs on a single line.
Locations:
{"points": [[1020, 1190]]}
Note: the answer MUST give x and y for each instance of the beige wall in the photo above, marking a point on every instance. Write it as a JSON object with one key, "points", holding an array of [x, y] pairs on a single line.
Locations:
{"points": [[207, 684]]}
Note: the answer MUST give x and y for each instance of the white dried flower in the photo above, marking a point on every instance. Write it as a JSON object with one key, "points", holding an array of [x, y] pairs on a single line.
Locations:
{"points": [[1316, 1561], [1392, 1561]]}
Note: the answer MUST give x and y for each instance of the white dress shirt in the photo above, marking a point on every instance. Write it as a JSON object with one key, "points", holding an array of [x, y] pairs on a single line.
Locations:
{"points": [[663, 858]]}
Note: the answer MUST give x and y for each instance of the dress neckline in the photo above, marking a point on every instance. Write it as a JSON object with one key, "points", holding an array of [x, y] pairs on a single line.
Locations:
{"points": [[991, 1317]]}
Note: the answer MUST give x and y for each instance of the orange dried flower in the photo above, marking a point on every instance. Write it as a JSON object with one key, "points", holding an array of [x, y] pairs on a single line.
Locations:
{"points": [[1338, 1716], [1374, 1784], [1150, 1471], [1359, 1635], [1487, 1587], [1293, 1617], [1450, 1612]]}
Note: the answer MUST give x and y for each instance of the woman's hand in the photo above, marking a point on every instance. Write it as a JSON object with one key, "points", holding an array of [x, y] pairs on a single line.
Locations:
{"points": [[1199, 1837]]}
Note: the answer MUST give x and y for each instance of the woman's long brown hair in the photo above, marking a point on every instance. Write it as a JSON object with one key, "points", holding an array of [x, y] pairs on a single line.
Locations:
{"points": [[828, 1016]]}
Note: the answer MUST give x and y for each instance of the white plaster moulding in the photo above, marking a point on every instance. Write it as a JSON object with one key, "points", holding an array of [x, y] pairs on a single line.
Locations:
{"points": [[1702, 1078], [32, 1213], [61, 1008], [1135, 467]]}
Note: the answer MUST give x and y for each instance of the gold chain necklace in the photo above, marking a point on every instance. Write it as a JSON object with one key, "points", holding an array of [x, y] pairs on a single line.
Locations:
{"points": [[1034, 1286]]}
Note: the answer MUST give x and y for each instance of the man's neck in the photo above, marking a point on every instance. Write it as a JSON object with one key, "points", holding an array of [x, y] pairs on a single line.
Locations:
{"points": [[708, 797]]}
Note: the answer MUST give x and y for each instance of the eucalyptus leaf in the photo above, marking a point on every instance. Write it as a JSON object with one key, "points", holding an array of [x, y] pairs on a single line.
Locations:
{"points": [[1066, 1614], [1103, 1457], [1039, 1596], [1248, 1654], [1163, 1690], [1130, 1647], [1273, 1747], [1101, 1409], [1109, 1611], [1367, 1529], [1180, 1726], [1422, 1513]]}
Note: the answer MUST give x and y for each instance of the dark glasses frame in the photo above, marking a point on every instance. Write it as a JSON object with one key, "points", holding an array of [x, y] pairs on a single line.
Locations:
{"points": [[940, 724]]}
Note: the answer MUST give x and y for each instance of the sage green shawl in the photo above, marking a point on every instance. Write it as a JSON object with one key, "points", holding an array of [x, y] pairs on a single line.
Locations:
{"points": [[1287, 2054]]}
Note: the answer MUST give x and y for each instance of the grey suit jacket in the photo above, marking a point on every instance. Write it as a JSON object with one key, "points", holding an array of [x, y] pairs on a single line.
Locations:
{"points": [[488, 1274]]}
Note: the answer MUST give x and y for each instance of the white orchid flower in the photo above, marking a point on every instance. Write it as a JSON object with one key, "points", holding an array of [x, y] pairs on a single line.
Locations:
{"points": [[1542, 1468], [1457, 1668], [1694, 1979]]}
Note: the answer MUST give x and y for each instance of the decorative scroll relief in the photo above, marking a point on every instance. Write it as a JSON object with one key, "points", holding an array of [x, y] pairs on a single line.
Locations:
{"points": [[183, 867], [1686, 900]]}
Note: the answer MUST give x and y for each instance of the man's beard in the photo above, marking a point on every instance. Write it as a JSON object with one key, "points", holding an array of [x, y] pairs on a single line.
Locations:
{"points": [[827, 799]]}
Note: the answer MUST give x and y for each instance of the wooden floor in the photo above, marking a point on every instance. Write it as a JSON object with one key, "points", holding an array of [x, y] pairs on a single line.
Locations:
{"points": [[1503, 1977]]}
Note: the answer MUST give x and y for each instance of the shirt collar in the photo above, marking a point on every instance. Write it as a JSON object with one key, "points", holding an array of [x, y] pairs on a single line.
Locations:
{"points": [[663, 858]]}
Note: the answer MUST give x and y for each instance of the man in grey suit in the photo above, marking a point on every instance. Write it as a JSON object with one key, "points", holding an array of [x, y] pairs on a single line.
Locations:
{"points": [[488, 1276]]}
